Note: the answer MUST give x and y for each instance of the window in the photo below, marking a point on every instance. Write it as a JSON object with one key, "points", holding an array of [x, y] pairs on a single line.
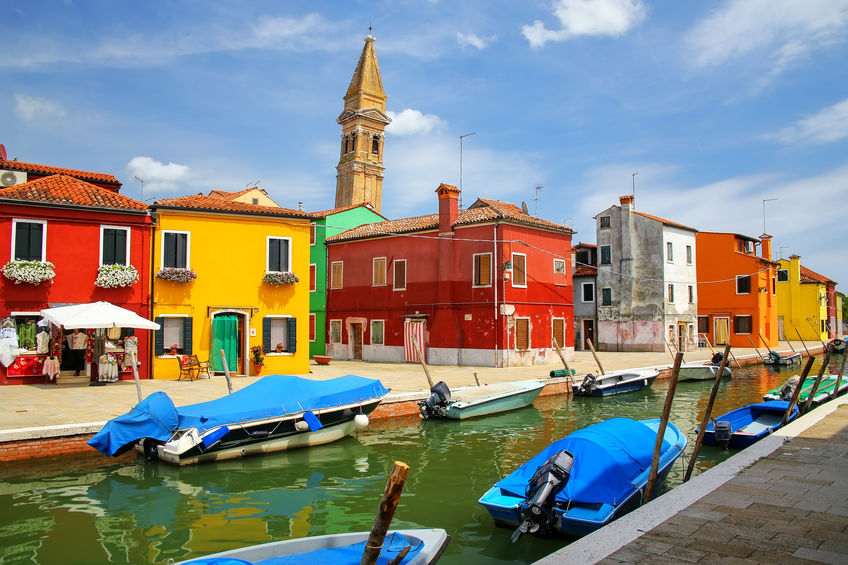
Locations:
{"points": [[519, 270], [691, 294], [176, 330], [399, 266], [114, 245], [782, 275], [313, 269], [335, 331], [588, 289], [688, 254], [605, 221], [669, 251], [378, 271], [279, 333], [312, 229], [558, 331], [254, 201], [773, 286], [176, 249], [742, 324], [312, 327], [377, 332], [279, 254], [522, 333], [375, 145], [482, 269], [743, 284], [559, 267], [605, 255], [703, 324], [671, 293], [606, 297], [744, 246], [336, 272], [28, 239]]}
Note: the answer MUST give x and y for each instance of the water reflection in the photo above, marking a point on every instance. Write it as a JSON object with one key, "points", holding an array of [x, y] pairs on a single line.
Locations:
{"points": [[131, 511]]}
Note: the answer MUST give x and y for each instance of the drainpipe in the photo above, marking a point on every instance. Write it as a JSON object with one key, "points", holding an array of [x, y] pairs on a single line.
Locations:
{"points": [[495, 285], [151, 343]]}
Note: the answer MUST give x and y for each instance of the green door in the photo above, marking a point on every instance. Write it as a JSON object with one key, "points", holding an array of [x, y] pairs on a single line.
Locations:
{"points": [[225, 336]]}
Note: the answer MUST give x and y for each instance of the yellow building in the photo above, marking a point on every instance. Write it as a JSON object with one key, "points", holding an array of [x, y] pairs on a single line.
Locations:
{"points": [[802, 302], [243, 255]]}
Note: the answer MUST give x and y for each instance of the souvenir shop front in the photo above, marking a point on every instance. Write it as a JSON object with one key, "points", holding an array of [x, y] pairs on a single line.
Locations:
{"points": [[82, 343]]}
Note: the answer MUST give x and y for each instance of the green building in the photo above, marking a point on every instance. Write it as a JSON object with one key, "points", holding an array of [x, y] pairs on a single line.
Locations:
{"points": [[328, 223]]}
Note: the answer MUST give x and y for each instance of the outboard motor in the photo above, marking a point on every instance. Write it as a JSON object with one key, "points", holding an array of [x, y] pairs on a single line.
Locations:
{"points": [[723, 432], [588, 383], [537, 510], [437, 404], [716, 359]]}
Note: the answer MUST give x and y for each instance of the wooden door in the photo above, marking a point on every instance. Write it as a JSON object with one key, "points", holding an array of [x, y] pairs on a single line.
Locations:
{"points": [[588, 333], [356, 331]]}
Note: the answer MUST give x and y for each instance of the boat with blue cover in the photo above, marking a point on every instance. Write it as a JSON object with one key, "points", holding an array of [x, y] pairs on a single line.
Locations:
{"points": [[425, 547], [747, 425], [585, 480], [275, 413]]}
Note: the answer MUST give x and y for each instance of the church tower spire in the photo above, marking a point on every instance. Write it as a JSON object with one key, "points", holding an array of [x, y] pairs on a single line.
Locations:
{"points": [[359, 176]]}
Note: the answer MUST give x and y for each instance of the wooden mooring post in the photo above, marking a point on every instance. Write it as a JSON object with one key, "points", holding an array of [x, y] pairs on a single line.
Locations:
{"points": [[423, 364], [797, 390], [754, 345], [227, 372], [669, 348], [135, 375], [732, 356], [595, 355], [815, 388], [802, 342], [707, 415], [839, 378], [669, 397], [816, 331], [385, 513]]}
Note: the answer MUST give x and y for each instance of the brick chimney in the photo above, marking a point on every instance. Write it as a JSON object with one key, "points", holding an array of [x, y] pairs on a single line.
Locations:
{"points": [[448, 207], [765, 250]]}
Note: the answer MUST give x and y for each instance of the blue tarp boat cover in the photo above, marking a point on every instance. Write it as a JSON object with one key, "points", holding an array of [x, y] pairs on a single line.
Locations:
{"points": [[349, 554], [272, 396], [608, 456]]}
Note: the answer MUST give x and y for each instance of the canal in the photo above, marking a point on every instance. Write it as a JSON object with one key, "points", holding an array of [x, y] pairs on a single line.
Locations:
{"points": [[126, 510]]}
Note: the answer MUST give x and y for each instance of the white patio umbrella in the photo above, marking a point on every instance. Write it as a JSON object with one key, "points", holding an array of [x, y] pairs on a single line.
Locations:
{"points": [[97, 315]]}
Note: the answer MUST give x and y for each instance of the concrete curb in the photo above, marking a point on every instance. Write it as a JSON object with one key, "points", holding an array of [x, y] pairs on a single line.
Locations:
{"points": [[609, 539]]}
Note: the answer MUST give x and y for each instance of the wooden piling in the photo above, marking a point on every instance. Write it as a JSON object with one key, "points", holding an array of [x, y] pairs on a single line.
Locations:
{"points": [[839, 378], [135, 374], [815, 389], [710, 345], [802, 342], [755, 348], [561, 356], [789, 343], [227, 372], [595, 355], [421, 360], [816, 331], [668, 347], [476, 380], [669, 397], [703, 429], [797, 390], [385, 513]]}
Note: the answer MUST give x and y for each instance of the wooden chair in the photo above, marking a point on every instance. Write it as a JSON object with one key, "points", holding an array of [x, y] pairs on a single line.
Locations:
{"points": [[187, 368], [202, 367]]}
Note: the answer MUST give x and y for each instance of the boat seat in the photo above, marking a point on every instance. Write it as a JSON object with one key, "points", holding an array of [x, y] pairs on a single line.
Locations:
{"points": [[762, 423]]}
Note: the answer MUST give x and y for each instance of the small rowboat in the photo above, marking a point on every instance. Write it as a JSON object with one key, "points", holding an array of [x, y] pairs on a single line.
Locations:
{"points": [[775, 358], [747, 425], [472, 402], [823, 393], [426, 546], [616, 382], [700, 372]]}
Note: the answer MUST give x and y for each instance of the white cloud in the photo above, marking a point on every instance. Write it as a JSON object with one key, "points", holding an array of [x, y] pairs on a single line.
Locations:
{"points": [[157, 176], [829, 125], [412, 122], [38, 109], [779, 32], [587, 17], [474, 40]]}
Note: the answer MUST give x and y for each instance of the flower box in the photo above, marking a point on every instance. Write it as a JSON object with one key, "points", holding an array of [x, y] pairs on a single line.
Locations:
{"points": [[280, 278], [29, 272], [116, 276], [176, 274]]}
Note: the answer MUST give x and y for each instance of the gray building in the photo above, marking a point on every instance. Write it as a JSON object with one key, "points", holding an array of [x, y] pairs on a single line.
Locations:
{"points": [[585, 261]]}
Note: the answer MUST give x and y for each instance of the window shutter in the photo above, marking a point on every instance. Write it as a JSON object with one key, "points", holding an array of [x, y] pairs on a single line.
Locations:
{"points": [[559, 331], [312, 277], [522, 331], [159, 337], [120, 256], [188, 324], [400, 274], [292, 329], [485, 270], [266, 334], [109, 240]]}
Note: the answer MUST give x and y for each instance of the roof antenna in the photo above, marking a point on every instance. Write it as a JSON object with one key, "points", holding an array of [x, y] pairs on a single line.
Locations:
{"points": [[538, 190]]}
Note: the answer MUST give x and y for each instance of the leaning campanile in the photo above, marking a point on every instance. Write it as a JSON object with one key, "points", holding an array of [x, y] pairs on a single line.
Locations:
{"points": [[359, 174]]}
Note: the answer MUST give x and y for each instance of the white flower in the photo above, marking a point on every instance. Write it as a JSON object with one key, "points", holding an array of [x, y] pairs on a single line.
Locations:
{"points": [[115, 276], [30, 272]]}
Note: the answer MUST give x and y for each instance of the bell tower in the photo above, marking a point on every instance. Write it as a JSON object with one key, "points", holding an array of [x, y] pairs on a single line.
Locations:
{"points": [[359, 174]]}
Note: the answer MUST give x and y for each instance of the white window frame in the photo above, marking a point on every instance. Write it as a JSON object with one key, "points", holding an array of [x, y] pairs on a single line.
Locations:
{"points": [[473, 267], [341, 275], [670, 293], [691, 294], [313, 235], [750, 285], [750, 323], [782, 271], [313, 322], [315, 287], [529, 333], [103, 228], [188, 248], [330, 331], [583, 286], [43, 223], [166, 346], [405, 274], [512, 279], [268, 239], [274, 352], [385, 271], [564, 267], [669, 252], [690, 255], [371, 332]]}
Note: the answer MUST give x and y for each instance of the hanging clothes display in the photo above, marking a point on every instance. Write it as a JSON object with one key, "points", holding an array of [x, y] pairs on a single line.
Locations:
{"points": [[131, 350], [51, 368], [42, 342], [107, 369], [26, 335]]}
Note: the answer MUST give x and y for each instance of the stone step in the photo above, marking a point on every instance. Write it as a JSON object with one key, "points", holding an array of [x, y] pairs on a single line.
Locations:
{"points": [[71, 379]]}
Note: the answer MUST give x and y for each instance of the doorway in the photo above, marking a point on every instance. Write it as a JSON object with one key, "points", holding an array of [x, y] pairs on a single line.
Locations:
{"points": [[588, 333], [228, 332], [722, 330], [780, 335], [356, 338]]}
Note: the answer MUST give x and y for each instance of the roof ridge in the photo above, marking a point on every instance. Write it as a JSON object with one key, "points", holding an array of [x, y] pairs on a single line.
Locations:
{"points": [[48, 169], [67, 190]]}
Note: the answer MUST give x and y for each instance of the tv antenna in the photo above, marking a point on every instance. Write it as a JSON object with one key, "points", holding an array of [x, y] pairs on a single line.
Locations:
{"points": [[461, 137], [253, 184], [536, 199], [764, 211], [141, 198]]}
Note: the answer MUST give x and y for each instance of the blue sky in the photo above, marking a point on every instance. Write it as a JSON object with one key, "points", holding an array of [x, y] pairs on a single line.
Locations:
{"points": [[717, 105]]}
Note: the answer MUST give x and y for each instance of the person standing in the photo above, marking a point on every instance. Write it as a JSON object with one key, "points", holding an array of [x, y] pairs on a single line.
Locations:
{"points": [[79, 343]]}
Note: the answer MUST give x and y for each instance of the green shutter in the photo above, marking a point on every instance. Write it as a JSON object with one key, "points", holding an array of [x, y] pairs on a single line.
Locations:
{"points": [[159, 337], [188, 324], [266, 334], [292, 329]]}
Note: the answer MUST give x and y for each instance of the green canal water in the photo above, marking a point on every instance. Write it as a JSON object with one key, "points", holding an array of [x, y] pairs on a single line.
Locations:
{"points": [[97, 510]]}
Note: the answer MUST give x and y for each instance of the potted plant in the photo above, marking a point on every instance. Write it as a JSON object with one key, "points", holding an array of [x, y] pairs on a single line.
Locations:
{"points": [[116, 276], [30, 272], [257, 354], [285, 277], [174, 349], [279, 347], [176, 274]]}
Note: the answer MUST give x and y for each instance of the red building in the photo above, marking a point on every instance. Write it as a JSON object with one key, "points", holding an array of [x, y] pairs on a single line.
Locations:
{"points": [[69, 241], [489, 285]]}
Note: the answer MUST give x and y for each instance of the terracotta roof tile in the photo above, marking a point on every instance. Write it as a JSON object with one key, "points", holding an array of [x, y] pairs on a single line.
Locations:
{"points": [[809, 276], [45, 170], [331, 211], [229, 195], [207, 203], [591, 245], [665, 222], [68, 191], [585, 270], [481, 211]]}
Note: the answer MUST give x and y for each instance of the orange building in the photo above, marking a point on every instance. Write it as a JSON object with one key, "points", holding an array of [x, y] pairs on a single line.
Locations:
{"points": [[737, 300]]}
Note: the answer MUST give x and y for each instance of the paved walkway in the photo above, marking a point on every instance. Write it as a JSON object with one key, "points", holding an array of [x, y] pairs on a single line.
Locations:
{"points": [[783, 500]]}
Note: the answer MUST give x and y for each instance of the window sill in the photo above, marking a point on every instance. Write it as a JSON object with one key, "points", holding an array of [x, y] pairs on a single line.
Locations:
{"points": [[279, 354]]}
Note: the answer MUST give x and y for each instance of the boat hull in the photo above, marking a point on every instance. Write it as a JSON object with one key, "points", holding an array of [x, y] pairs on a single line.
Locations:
{"points": [[697, 372], [749, 424], [510, 399], [434, 543], [783, 360], [823, 393], [617, 383]]}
